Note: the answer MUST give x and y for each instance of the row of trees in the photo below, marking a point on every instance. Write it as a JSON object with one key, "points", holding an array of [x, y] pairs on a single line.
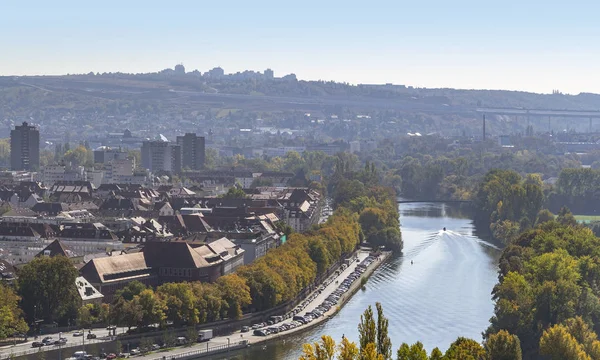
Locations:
{"points": [[375, 344], [186, 303]]}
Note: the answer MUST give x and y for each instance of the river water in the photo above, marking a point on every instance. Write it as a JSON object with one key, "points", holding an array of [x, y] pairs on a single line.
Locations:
{"points": [[443, 294]]}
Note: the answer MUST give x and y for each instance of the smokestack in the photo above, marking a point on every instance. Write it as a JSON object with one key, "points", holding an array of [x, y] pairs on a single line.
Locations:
{"points": [[483, 127]]}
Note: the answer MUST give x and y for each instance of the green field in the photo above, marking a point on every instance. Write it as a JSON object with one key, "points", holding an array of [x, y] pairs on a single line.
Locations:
{"points": [[587, 218]]}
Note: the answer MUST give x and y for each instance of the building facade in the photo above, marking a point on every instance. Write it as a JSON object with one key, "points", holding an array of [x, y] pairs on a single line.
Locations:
{"points": [[158, 155], [25, 147], [193, 151]]}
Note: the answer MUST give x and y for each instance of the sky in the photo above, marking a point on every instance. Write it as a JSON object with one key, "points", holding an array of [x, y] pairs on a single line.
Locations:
{"points": [[525, 45]]}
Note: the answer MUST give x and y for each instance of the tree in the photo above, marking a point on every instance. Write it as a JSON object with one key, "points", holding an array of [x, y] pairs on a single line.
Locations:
{"points": [[145, 344], [565, 217], [153, 308], [130, 290], [191, 334], [367, 331], [348, 350], [503, 346], [384, 344], [47, 289], [84, 316], [371, 332], [557, 343], [180, 302], [436, 354], [321, 350], [465, 349], [370, 353], [11, 316], [544, 216], [236, 293], [234, 192]]}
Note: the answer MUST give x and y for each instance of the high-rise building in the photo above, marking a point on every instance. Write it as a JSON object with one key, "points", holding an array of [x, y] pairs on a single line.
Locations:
{"points": [[25, 148], [160, 155], [193, 151]]}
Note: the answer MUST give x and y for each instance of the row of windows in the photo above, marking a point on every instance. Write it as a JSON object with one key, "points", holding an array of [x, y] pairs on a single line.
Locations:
{"points": [[176, 272]]}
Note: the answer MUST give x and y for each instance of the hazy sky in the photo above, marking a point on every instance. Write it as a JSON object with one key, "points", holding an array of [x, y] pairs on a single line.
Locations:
{"points": [[521, 45]]}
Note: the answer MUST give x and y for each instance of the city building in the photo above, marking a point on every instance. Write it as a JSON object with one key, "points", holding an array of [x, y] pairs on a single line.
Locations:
{"points": [[161, 155], [105, 154], [193, 151], [162, 262], [24, 147]]}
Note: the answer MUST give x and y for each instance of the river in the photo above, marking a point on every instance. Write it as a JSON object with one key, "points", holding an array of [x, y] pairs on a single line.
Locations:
{"points": [[443, 294]]}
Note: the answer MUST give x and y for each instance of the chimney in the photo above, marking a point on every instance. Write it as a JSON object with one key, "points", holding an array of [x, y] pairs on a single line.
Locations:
{"points": [[483, 127]]}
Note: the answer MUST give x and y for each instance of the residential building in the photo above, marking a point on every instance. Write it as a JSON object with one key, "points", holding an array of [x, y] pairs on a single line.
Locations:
{"points": [[160, 155], [193, 151], [24, 147]]}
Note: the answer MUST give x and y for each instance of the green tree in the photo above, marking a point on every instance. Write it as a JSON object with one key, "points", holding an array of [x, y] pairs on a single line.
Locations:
{"points": [[130, 290], [465, 349], [367, 330], [544, 216], [84, 316], [384, 344], [47, 288], [565, 217], [503, 346], [145, 344], [191, 334], [234, 192], [436, 354]]}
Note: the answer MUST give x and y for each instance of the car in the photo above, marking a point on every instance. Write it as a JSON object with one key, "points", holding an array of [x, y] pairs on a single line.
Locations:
{"points": [[37, 344], [111, 327], [155, 347], [61, 341], [111, 356], [135, 352], [245, 329], [91, 336], [78, 333]]}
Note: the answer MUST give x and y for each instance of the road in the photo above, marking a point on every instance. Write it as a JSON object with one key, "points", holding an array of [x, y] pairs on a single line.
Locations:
{"points": [[253, 339], [72, 341]]}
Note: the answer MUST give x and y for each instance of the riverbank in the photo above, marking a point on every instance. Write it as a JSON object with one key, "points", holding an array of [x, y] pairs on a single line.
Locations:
{"points": [[234, 341]]}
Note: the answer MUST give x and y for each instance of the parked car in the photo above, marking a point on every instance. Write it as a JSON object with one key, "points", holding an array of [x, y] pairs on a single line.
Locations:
{"points": [[135, 352], [245, 328], [111, 356], [91, 336], [36, 344], [78, 333], [155, 347]]}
